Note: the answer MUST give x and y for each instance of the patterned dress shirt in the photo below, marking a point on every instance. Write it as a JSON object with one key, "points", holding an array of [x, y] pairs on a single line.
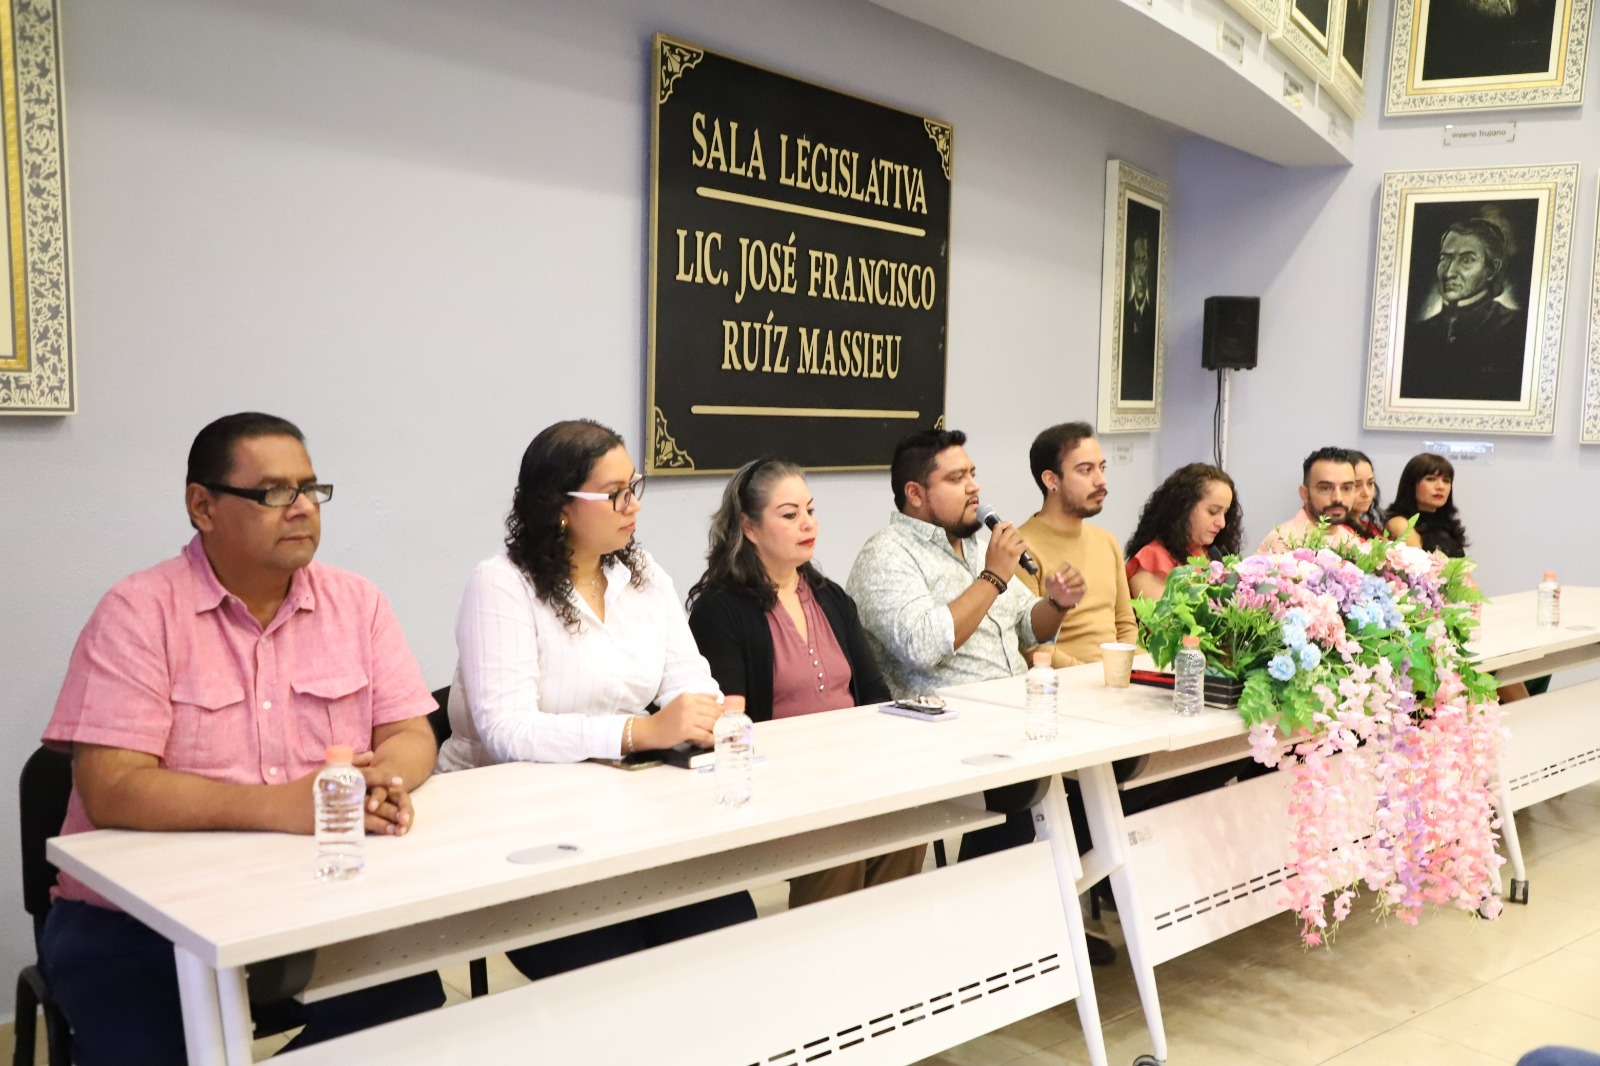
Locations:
{"points": [[903, 581]]}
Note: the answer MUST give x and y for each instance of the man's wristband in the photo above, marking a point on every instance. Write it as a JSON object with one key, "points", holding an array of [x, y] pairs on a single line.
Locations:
{"points": [[1058, 606], [994, 579]]}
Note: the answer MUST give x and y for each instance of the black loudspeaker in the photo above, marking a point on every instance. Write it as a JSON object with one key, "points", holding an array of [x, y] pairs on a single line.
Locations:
{"points": [[1232, 325]]}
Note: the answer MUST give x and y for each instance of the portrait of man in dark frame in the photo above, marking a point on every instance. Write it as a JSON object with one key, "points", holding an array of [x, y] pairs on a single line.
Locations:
{"points": [[1315, 13], [1142, 260], [1466, 311], [1488, 38], [1353, 47]]}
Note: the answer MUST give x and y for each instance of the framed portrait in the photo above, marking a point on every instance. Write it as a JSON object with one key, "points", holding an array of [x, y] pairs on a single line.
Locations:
{"points": [[1591, 377], [1307, 35], [1479, 55], [1264, 15], [36, 360], [1349, 81], [1469, 287], [1133, 295]]}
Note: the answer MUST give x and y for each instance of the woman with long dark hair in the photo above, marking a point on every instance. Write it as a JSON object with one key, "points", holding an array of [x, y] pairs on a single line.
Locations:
{"points": [[1426, 490], [566, 640], [783, 636], [1194, 512], [1366, 513]]}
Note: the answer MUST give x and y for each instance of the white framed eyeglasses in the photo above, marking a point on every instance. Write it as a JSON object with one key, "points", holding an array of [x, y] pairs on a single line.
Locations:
{"points": [[621, 499]]}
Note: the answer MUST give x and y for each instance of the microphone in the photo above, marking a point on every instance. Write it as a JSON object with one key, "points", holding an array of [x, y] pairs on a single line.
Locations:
{"points": [[988, 517]]}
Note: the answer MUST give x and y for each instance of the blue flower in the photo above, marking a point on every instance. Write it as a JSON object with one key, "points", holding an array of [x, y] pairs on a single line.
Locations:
{"points": [[1296, 616], [1310, 656], [1294, 635], [1281, 667]]}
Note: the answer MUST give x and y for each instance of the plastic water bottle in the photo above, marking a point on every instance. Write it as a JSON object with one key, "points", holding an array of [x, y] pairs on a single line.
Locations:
{"points": [[340, 795], [735, 739], [1189, 670], [1039, 720], [1549, 600]]}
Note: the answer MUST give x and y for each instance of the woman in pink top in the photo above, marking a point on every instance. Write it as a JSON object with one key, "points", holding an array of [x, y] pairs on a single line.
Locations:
{"points": [[1194, 512], [783, 636]]}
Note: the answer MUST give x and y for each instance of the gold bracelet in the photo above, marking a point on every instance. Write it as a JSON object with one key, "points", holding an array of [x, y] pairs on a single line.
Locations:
{"points": [[994, 579], [627, 736]]}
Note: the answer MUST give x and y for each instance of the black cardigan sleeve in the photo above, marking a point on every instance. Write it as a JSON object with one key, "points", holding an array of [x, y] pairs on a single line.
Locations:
{"points": [[866, 681], [721, 624]]}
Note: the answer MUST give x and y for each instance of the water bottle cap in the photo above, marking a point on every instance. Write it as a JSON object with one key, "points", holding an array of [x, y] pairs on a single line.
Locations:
{"points": [[339, 755], [1191, 641], [1042, 657], [1549, 575], [732, 703]]}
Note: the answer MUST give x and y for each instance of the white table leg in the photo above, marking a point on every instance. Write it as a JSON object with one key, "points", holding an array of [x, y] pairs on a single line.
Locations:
{"points": [[1508, 832], [216, 1012], [1052, 823], [1103, 808]]}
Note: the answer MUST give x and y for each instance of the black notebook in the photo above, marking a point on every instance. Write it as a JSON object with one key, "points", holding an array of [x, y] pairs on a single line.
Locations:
{"points": [[686, 756]]}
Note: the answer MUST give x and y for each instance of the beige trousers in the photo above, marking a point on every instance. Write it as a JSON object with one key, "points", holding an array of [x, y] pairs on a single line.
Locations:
{"points": [[826, 884]]}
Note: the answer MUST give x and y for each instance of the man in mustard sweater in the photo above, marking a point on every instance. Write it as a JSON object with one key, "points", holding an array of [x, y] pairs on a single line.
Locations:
{"points": [[1070, 471]]}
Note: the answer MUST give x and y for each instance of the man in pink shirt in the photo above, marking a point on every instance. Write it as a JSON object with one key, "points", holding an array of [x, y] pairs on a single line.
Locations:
{"points": [[203, 694], [1327, 489]]}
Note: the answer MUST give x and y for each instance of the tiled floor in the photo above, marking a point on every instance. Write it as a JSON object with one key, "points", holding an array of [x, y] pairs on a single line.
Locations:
{"points": [[1453, 991]]}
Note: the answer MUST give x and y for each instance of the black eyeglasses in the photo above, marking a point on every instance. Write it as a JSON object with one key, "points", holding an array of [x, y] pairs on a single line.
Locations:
{"points": [[278, 495], [621, 499]]}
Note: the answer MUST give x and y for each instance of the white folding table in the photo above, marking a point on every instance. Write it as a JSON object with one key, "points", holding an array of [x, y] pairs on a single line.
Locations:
{"points": [[1208, 738], [1193, 871], [1554, 745], [888, 975]]}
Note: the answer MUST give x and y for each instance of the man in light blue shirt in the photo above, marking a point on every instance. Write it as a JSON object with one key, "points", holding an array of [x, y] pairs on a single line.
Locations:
{"points": [[939, 605]]}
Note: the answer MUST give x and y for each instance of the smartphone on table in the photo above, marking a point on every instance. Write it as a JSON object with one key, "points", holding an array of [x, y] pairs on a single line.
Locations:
{"points": [[922, 708]]}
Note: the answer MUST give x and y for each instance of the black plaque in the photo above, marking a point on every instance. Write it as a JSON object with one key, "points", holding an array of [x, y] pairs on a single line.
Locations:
{"points": [[799, 250]]}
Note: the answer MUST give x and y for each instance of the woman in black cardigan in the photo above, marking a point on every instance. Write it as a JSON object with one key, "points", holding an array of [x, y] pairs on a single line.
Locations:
{"points": [[783, 636]]}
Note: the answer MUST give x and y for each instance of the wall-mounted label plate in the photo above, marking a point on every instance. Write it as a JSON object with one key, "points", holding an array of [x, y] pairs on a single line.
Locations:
{"points": [[1462, 451], [1460, 135]]}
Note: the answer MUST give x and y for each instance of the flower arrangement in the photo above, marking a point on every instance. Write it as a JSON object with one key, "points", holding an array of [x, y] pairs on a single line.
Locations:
{"points": [[1356, 650]]}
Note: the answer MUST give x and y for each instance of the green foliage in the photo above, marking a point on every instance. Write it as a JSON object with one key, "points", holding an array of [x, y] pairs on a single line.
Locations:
{"points": [[1235, 640], [1258, 703], [1241, 630]]}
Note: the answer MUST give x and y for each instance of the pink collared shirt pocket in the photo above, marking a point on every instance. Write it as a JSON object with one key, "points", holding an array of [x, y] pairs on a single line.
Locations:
{"points": [[208, 716], [345, 715]]}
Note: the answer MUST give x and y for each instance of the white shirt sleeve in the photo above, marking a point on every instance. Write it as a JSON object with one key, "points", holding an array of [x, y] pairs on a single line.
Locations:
{"points": [[685, 669], [497, 643]]}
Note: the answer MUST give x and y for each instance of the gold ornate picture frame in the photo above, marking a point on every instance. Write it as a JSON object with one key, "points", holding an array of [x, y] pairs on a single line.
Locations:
{"points": [[1590, 433], [1481, 55], [1264, 15], [36, 355], [1306, 36], [1133, 297], [1470, 285]]}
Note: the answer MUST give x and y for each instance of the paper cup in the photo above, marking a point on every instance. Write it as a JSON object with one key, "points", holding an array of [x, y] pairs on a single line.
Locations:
{"points": [[1117, 662]]}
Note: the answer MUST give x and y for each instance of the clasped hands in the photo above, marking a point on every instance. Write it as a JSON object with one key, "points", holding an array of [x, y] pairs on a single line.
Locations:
{"points": [[388, 800]]}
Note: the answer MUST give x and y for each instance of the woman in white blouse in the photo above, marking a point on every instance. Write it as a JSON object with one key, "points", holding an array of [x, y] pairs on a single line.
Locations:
{"points": [[567, 636], [565, 642]]}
